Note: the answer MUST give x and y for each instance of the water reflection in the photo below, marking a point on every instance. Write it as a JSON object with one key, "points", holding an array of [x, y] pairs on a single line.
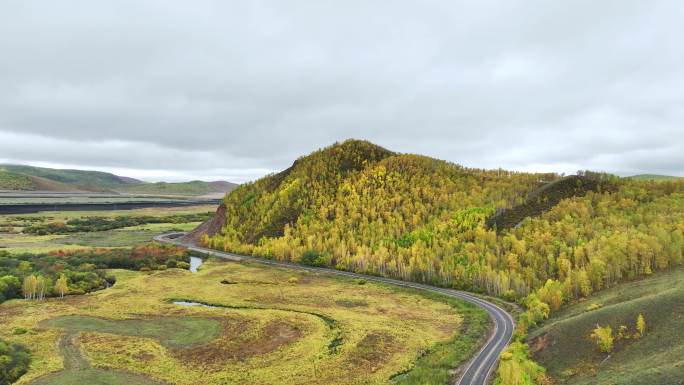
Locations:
{"points": [[195, 263]]}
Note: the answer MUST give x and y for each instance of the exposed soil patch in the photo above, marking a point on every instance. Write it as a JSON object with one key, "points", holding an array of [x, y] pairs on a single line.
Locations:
{"points": [[540, 343], [211, 227]]}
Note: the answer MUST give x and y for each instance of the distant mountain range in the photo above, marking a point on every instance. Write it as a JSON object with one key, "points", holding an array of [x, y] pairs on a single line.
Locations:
{"points": [[30, 178]]}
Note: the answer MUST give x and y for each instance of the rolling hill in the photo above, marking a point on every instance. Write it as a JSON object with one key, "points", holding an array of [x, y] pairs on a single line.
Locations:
{"points": [[653, 177], [564, 347], [81, 179], [537, 239], [357, 206], [30, 178], [195, 188], [20, 182], [12, 181], [339, 182]]}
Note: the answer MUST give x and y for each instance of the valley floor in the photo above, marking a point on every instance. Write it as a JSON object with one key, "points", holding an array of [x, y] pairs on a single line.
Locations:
{"points": [[268, 326], [14, 241]]}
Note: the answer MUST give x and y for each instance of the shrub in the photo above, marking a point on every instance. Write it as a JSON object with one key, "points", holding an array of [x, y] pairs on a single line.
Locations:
{"points": [[516, 368], [312, 258], [19, 331], [604, 338], [110, 279], [293, 280], [641, 325], [623, 332], [14, 362], [183, 265]]}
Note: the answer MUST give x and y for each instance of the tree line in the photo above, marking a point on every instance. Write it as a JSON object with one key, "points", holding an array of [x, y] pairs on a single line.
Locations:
{"points": [[56, 274]]}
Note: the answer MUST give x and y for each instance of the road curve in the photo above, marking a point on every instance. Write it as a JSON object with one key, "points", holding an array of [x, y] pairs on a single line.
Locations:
{"points": [[479, 368]]}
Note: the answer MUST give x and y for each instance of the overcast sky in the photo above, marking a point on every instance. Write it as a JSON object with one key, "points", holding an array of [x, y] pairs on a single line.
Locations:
{"points": [[174, 90]]}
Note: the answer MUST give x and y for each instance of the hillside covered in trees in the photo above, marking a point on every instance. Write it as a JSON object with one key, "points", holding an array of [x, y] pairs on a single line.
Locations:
{"points": [[542, 240], [356, 206]]}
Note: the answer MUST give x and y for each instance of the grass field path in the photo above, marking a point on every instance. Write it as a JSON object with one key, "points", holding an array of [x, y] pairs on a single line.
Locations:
{"points": [[77, 369], [71, 353]]}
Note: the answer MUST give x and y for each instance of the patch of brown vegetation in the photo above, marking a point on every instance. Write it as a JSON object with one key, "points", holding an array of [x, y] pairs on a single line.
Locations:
{"points": [[351, 302], [144, 356], [540, 343], [11, 310], [374, 350], [234, 345]]}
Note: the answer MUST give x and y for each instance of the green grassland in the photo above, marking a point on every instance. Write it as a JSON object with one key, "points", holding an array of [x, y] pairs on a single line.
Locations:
{"points": [[77, 369], [653, 177], [193, 188], [94, 377], [12, 238], [564, 347], [12, 181], [28, 178], [170, 331], [270, 326], [73, 177]]}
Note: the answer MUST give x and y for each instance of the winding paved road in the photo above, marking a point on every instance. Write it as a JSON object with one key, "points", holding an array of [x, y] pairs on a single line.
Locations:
{"points": [[480, 367]]}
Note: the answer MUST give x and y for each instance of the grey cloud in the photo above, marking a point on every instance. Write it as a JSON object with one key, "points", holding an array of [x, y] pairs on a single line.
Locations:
{"points": [[213, 87]]}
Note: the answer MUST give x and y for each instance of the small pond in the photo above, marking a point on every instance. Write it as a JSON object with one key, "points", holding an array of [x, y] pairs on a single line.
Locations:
{"points": [[188, 303], [195, 263]]}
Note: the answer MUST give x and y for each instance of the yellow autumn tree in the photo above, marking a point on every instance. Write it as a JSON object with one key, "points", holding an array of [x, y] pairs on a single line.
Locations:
{"points": [[30, 287], [603, 335], [641, 325], [61, 286]]}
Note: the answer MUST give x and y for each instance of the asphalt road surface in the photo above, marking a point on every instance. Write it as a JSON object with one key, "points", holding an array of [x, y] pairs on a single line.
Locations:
{"points": [[478, 370]]}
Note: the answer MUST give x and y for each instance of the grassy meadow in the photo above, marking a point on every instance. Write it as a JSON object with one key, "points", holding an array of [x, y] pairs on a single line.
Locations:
{"points": [[563, 344], [268, 326], [13, 240]]}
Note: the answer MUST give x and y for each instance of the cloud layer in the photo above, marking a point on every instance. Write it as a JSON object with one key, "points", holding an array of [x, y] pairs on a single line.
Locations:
{"points": [[226, 89]]}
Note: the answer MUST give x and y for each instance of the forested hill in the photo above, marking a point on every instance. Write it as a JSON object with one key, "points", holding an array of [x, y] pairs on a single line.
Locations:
{"points": [[360, 189], [357, 206]]}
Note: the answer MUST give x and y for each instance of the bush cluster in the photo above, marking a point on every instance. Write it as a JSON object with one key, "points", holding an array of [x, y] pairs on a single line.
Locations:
{"points": [[14, 362], [83, 269]]}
